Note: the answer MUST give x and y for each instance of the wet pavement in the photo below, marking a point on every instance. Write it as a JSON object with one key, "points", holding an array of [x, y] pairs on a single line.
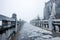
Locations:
{"points": [[29, 32]]}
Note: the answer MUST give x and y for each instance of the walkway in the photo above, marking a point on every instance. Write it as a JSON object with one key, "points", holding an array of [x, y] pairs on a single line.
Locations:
{"points": [[29, 32]]}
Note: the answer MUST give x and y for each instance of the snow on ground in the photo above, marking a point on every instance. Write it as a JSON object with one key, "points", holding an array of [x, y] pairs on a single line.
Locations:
{"points": [[56, 38], [29, 28], [29, 32], [47, 36]]}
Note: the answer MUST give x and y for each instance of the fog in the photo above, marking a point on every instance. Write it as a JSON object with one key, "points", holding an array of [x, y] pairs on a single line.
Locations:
{"points": [[25, 9]]}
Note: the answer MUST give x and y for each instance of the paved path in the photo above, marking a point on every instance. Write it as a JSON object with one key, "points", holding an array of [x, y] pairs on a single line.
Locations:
{"points": [[29, 32]]}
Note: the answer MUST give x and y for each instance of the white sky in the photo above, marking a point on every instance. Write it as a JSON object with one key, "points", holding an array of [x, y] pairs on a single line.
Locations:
{"points": [[25, 9]]}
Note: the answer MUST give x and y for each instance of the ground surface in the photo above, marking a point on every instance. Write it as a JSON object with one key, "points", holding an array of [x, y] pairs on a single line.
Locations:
{"points": [[29, 32]]}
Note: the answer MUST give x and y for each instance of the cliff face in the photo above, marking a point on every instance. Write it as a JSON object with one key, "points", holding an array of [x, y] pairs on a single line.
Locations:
{"points": [[57, 9], [48, 8]]}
